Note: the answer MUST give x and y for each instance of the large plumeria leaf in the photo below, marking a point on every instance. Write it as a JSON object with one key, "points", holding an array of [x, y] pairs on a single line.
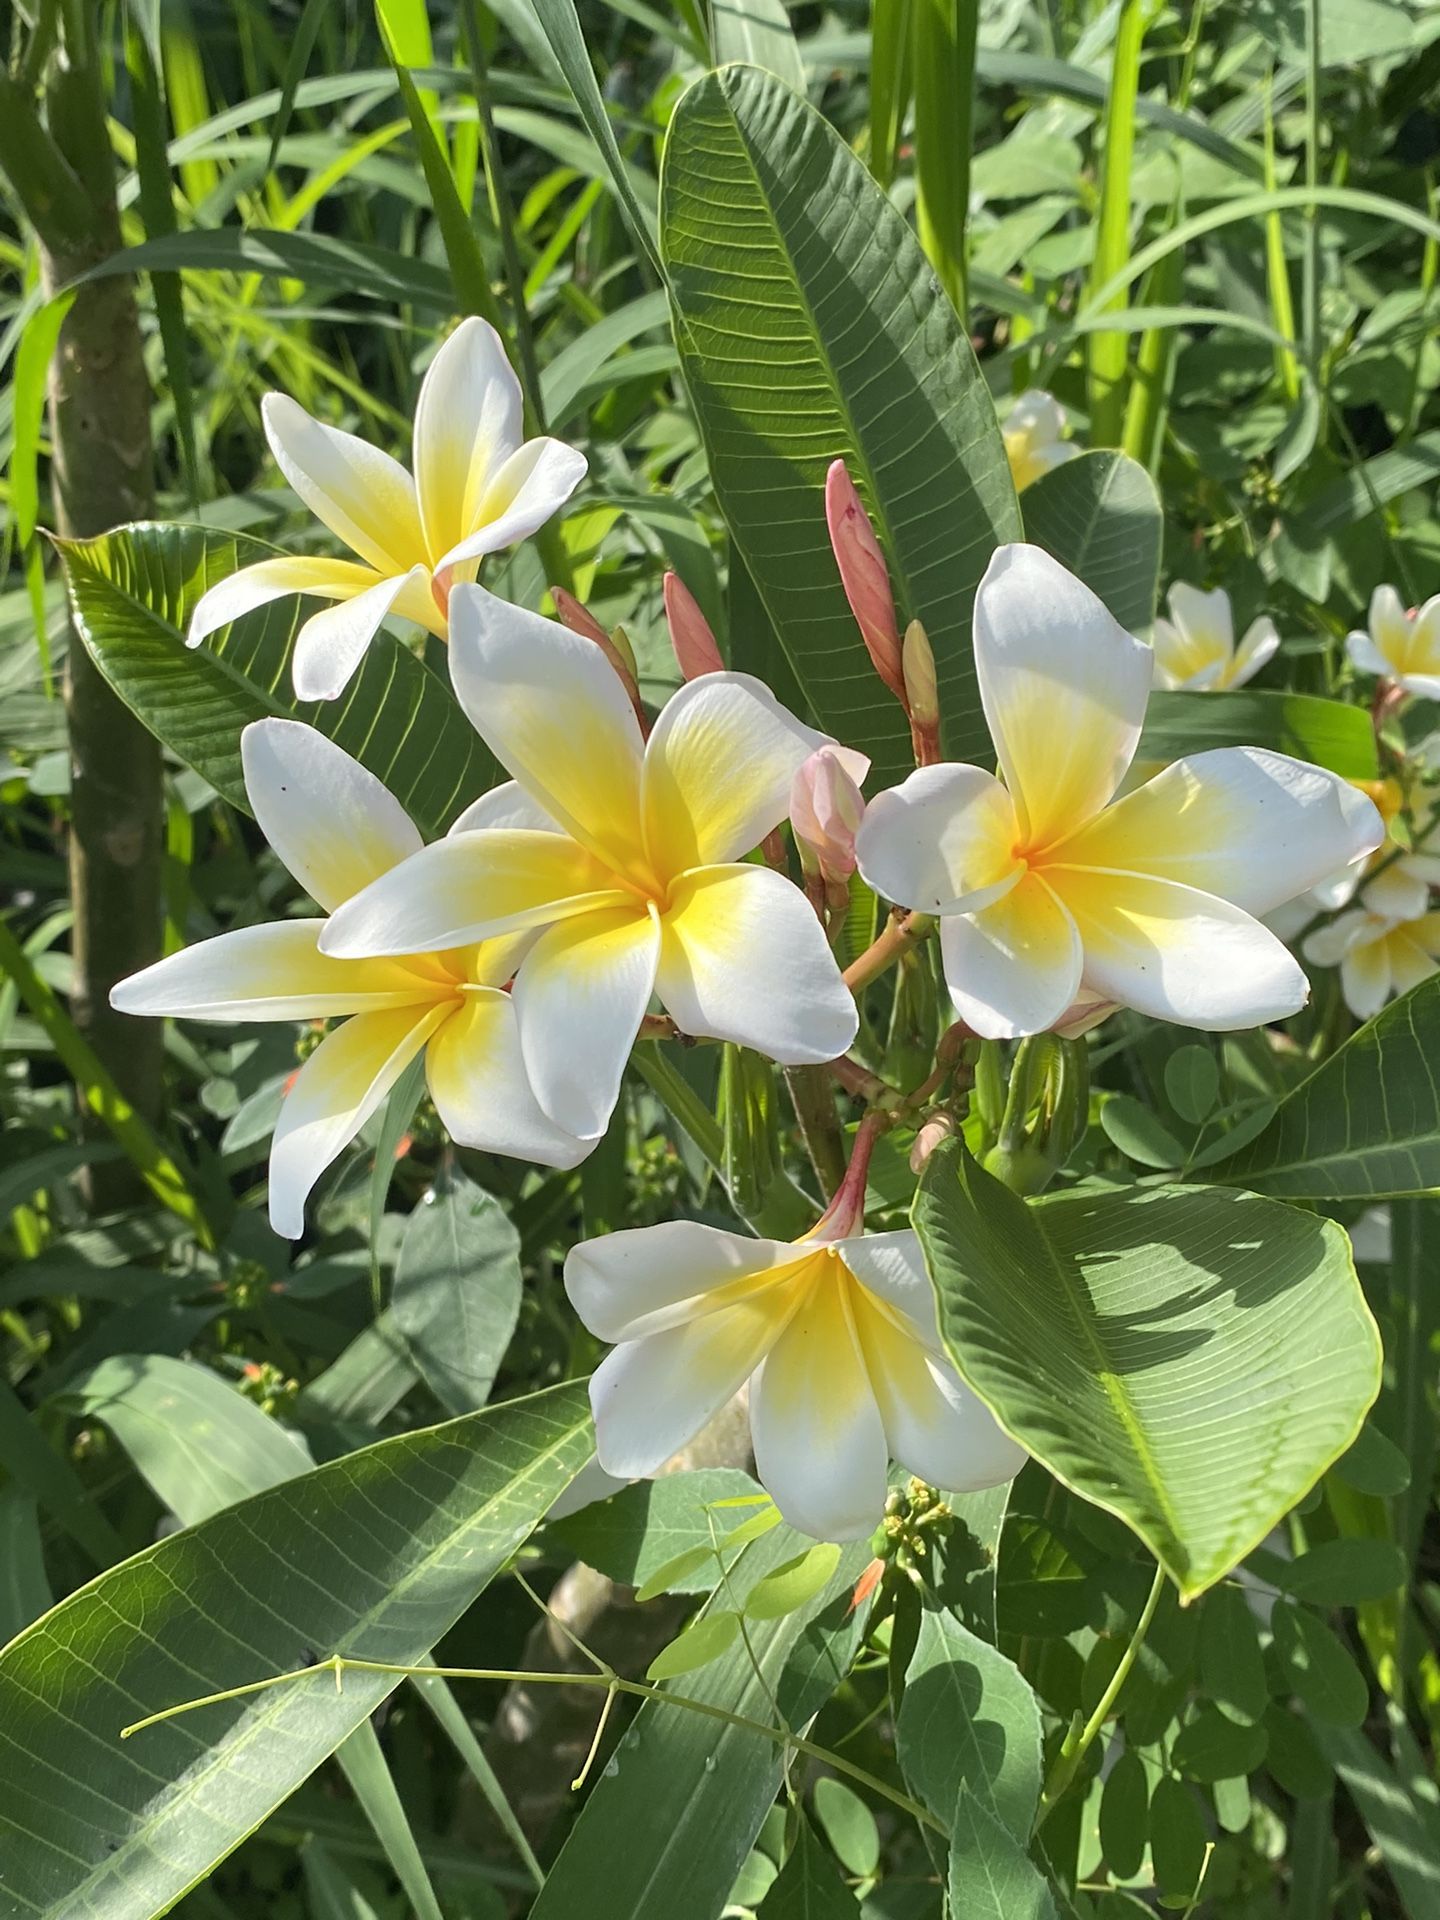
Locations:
{"points": [[373, 1556], [1366, 1124], [669, 1823], [811, 328], [1191, 1359], [1328, 732], [1100, 516], [133, 592]]}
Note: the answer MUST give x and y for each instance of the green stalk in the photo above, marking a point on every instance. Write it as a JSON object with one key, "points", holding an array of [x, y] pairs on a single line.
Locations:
{"points": [[1109, 354], [943, 70], [1148, 405], [1276, 271], [890, 37]]}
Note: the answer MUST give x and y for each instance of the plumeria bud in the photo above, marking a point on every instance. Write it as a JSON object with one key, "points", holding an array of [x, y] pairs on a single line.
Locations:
{"points": [[826, 807], [617, 650], [696, 649], [922, 697], [864, 576], [931, 1135]]}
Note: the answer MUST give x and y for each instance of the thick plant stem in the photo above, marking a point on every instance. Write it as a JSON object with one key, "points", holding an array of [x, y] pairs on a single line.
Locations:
{"points": [[814, 1101], [99, 400]]}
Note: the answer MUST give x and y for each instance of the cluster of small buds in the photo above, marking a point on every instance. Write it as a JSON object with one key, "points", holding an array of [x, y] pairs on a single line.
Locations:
{"points": [[246, 1285], [907, 666], [271, 1389], [916, 1516]]}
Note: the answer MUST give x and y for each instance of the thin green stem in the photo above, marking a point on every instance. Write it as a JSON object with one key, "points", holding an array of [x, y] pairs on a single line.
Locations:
{"points": [[339, 1665], [1067, 1761]]}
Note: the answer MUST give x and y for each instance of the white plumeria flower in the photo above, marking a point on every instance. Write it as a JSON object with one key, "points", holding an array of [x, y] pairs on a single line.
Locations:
{"points": [[479, 486], [1047, 884], [1378, 957], [836, 1334], [1402, 647], [628, 854], [1195, 647], [1397, 879], [1033, 431], [337, 828]]}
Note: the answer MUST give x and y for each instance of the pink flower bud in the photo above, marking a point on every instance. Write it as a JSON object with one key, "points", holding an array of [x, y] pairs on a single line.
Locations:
{"points": [[826, 808], [864, 576], [695, 645], [578, 618]]}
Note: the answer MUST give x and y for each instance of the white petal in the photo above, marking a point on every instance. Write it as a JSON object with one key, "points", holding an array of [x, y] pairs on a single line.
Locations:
{"points": [[507, 805], [335, 826], [477, 1079], [718, 771], [580, 997], [360, 493], [1254, 827], [1366, 656], [1327, 946], [1064, 689], [1203, 618], [820, 1447], [1409, 962], [273, 972], [892, 1267], [934, 1425], [1015, 967], [942, 841], [649, 1397], [469, 887], [1179, 954], [251, 587], [1390, 626], [551, 708], [1396, 894], [467, 424], [1365, 977], [342, 1083], [529, 489], [744, 959], [1261, 644], [1424, 686], [331, 645], [642, 1280]]}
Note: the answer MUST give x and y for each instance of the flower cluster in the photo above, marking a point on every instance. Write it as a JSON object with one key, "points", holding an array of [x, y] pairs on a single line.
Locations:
{"points": [[615, 873]]}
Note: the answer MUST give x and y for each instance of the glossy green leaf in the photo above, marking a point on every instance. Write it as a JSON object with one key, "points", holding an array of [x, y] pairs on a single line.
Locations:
{"points": [[991, 1875], [457, 1289], [1320, 1668], [1139, 1132], [1192, 1083], [702, 1641], [373, 1556], [969, 1724], [1366, 1124], [1107, 1329], [24, 1587], [810, 1885], [1306, 727], [639, 1533], [1125, 1815], [810, 328], [1100, 516], [133, 592]]}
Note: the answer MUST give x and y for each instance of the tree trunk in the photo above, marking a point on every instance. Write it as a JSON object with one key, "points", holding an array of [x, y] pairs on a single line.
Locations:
{"points": [[102, 475]]}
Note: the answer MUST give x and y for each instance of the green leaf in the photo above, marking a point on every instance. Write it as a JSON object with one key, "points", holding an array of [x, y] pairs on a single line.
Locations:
{"points": [[1398, 1806], [848, 1825], [1125, 1815], [1177, 1840], [1319, 1668], [1345, 1573], [641, 1531], [374, 1556], [133, 592], [31, 1462], [757, 32], [1107, 1328], [1139, 1132], [969, 1725], [1232, 1666], [1366, 1124], [991, 1875], [793, 1583], [1213, 1747], [809, 1886], [457, 1289], [1192, 1083], [24, 1587], [1294, 1756], [1376, 1465], [1327, 732], [702, 1641], [853, 351], [671, 1575], [1100, 516], [688, 1794]]}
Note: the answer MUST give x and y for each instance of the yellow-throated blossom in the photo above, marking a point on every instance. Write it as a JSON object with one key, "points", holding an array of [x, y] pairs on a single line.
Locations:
{"points": [[1033, 430], [1378, 956], [628, 854], [1401, 646], [479, 486], [1196, 646], [336, 828], [836, 1334], [1047, 884]]}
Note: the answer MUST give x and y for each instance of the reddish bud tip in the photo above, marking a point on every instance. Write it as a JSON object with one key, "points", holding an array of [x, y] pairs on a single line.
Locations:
{"points": [[696, 649], [864, 575], [578, 618]]}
